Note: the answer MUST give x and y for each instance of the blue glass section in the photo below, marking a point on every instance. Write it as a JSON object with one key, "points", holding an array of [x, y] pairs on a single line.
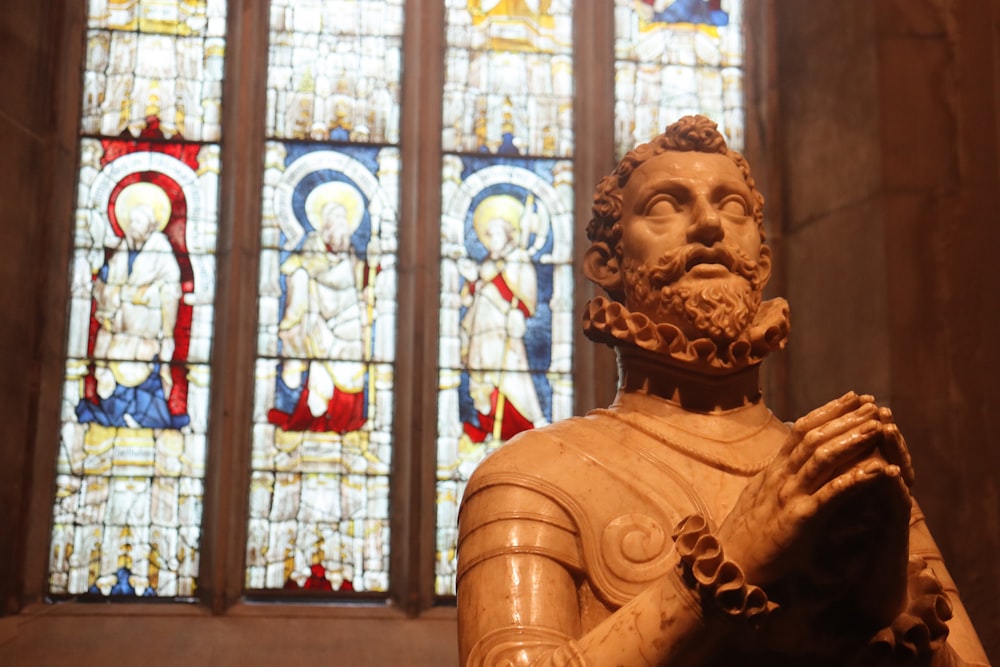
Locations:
{"points": [[706, 12]]}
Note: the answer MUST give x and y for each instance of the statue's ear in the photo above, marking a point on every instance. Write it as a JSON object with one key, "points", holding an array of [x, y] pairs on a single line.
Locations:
{"points": [[764, 265], [601, 266]]}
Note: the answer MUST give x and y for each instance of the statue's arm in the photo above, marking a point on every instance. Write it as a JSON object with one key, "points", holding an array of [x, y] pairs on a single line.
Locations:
{"points": [[523, 609], [521, 574]]}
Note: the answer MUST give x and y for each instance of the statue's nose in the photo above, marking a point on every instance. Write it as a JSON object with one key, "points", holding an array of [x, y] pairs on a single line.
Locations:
{"points": [[705, 227]]}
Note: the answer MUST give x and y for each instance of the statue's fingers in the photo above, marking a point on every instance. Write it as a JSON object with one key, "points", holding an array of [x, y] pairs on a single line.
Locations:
{"points": [[842, 450], [833, 428], [815, 418], [894, 447], [860, 475], [825, 413], [885, 414], [828, 431]]}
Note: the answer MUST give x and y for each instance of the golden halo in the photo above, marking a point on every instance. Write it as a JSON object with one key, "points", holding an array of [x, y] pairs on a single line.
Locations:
{"points": [[334, 192], [506, 207], [142, 194]]}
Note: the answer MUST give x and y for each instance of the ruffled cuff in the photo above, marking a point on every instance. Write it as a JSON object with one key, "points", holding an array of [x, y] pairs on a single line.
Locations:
{"points": [[922, 628], [720, 582]]}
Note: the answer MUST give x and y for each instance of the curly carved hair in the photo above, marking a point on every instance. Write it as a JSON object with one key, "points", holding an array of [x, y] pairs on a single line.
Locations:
{"points": [[690, 133]]}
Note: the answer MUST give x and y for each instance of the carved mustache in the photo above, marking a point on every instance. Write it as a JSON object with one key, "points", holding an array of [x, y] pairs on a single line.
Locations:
{"points": [[673, 265]]}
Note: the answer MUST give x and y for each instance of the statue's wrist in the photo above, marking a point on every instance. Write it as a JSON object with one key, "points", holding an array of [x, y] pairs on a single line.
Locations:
{"points": [[719, 583]]}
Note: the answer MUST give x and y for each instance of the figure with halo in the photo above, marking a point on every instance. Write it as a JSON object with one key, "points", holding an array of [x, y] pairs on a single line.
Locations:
{"points": [[500, 294], [137, 293], [322, 378]]}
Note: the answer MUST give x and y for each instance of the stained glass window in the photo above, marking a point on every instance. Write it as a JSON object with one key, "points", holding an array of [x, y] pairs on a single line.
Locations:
{"points": [[135, 410], [674, 58], [506, 322], [322, 437], [131, 462]]}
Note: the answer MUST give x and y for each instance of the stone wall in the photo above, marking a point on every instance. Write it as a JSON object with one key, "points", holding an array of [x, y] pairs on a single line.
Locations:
{"points": [[33, 159], [888, 140]]}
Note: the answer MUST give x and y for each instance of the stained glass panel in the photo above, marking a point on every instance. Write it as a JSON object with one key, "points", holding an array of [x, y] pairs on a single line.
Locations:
{"points": [[509, 77], [154, 66], [323, 404], [506, 238], [131, 461], [334, 70], [506, 322], [673, 58], [135, 403]]}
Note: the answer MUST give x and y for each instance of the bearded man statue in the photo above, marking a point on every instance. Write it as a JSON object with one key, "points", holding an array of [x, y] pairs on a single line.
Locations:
{"points": [[685, 524]]}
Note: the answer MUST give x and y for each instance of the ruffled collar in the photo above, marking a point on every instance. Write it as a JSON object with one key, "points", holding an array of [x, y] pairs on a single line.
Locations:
{"points": [[611, 323]]}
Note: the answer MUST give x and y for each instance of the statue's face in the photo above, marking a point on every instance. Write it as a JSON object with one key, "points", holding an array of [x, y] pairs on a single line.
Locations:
{"points": [[690, 251]]}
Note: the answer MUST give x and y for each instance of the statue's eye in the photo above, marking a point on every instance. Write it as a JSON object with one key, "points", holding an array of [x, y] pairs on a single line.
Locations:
{"points": [[662, 205], [734, 205]]}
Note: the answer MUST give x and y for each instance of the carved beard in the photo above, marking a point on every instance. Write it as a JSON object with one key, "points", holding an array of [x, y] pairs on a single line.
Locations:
{"points": [[717, 308]]}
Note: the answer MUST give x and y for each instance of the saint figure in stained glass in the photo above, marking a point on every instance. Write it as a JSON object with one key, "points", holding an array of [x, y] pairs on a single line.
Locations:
{"points": [[136, 298], [128, 498], [323, 396], [321, 383], [500, 294]]}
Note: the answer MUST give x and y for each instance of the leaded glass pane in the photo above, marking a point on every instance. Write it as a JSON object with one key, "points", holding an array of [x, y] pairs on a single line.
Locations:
{"points": [[129, 489], [326, 337], [506, 322], [334, 70], [169, 17], [675, 58], [131, 461], [506, 280], [323, 389], [509, 77], [154, 66]]}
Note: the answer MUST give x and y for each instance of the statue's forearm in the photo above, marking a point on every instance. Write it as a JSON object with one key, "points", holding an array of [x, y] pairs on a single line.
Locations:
{"points": [[663, 625]]}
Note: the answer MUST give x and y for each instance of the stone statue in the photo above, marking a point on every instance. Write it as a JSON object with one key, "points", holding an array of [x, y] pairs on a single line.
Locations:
{"points": [[685, 524]]}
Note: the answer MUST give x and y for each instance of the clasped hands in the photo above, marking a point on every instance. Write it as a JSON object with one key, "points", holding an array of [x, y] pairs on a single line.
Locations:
{"points": [[845, 445], [841, 465]]}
